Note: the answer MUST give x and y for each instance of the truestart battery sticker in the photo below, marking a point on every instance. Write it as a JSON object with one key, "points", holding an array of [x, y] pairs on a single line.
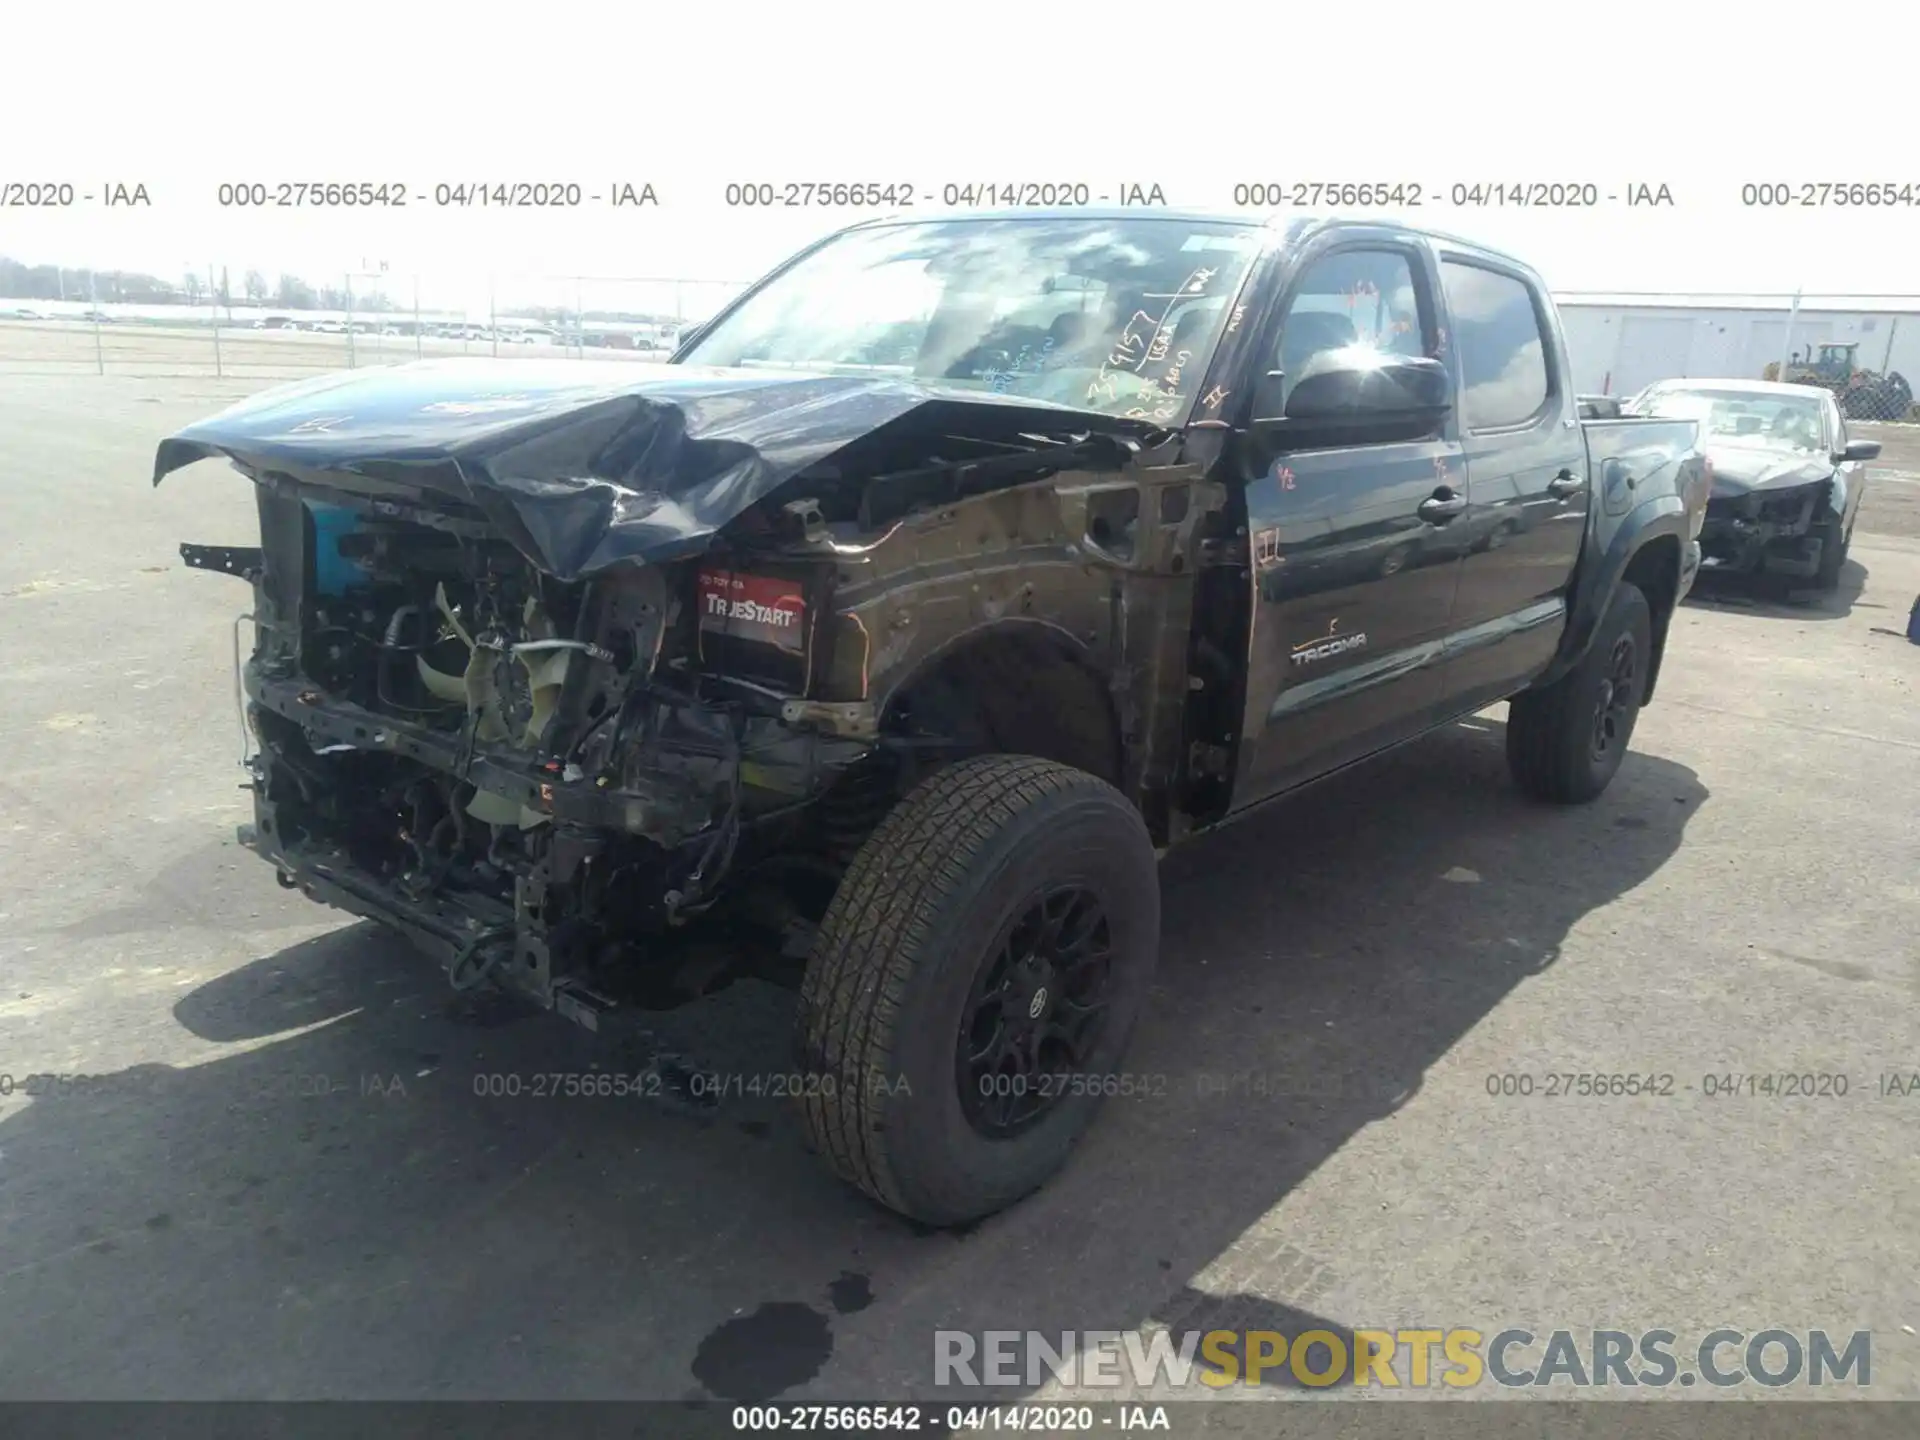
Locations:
{"points": [[754, 607]]}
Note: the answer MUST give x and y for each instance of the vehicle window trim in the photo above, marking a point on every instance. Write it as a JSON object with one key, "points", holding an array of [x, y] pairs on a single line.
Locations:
{"points": [[1555, 400], [1425, 300]]}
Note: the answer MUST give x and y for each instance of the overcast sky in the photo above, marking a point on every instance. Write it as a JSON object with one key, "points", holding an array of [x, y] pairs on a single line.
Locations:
{"points": [[1195, 99]]}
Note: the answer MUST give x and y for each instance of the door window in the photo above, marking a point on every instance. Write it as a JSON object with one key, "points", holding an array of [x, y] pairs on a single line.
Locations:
{"points": [[1501, 344], [1350, 299]]}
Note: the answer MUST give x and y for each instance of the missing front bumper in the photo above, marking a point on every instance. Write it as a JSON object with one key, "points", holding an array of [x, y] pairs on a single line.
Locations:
{"points": [[476, 940], [656, 807], [1757, 548]]}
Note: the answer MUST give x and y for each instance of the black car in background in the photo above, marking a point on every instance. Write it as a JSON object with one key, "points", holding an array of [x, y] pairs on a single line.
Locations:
{"points": [[1787, 477]]}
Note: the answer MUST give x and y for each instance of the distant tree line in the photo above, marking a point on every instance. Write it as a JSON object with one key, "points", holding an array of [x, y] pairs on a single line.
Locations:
{"points": [[289, 292], [136, 287]]}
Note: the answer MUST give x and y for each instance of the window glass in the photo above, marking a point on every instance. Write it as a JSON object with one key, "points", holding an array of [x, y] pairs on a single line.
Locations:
{"points": [[1120, 316], [1352, 299], [1501, 348], [1761, 419]]}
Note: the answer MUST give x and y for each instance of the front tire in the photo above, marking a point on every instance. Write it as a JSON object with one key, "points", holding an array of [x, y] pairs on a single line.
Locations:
{"points": [[1833, 556], [974, 985], [1566, 740]]}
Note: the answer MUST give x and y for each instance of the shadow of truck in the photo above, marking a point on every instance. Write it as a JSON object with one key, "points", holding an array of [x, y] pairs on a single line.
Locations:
{"points": [[380, 1197]]}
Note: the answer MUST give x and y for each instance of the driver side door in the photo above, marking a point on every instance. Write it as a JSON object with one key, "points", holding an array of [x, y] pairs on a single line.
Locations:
{"points": [[1352, 571]]}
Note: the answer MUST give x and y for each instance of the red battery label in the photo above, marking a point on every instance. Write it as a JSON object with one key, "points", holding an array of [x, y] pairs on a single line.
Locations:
{"points": [[754, 607]]}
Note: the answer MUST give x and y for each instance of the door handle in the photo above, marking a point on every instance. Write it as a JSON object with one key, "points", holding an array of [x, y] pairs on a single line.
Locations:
{"points": [[1565, 485], [1437, 509]]}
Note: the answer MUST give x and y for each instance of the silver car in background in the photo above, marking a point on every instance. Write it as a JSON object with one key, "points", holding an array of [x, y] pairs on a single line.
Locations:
{"points": [[1787, 476]]}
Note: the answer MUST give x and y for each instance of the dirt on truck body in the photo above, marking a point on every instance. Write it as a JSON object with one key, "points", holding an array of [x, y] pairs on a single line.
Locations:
{"points": [[877, 643]]}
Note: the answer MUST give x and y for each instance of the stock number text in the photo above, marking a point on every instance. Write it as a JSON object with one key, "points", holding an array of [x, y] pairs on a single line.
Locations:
{"points": [[1849, 194], [1556, 1085]]}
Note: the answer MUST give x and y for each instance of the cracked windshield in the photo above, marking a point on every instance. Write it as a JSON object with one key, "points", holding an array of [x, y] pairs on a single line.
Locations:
{"points": [[1115, 316]]}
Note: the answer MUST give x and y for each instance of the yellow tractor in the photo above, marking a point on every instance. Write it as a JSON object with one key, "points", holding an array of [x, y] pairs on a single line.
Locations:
{"points": [[1863, 394]]}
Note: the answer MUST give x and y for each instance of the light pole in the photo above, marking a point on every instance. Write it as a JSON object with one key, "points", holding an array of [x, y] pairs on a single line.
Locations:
{"points": [[213, 309], [1793, 314], [365, 272]]}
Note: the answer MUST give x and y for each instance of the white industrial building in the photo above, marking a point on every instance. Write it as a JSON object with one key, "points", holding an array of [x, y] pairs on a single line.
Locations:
{"points": [[1621, 342]]}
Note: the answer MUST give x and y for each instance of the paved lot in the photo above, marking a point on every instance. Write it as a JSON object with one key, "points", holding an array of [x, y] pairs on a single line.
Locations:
{"points": [[289, 1186]]}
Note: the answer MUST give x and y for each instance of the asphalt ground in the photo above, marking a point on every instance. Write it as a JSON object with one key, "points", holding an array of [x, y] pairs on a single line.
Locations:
{"points": [[287, 1182]]}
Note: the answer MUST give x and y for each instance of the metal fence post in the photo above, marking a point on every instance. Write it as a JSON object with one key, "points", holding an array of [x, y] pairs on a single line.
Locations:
{"points": [[418, 343], [350, 351], [213, 304], [493, 318], [93, 303]]}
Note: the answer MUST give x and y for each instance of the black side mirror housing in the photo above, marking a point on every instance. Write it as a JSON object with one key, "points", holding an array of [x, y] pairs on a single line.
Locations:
{"points": [[688, 336], [1860, 450], [1368, 389]]}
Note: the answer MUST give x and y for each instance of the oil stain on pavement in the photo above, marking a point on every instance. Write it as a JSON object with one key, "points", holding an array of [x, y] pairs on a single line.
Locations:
{"points": [[755, 1357]]}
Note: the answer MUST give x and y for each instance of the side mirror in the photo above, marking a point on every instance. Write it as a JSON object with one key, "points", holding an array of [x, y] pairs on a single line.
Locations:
{"points": [[689, 335], [1860, 450], [1368, 388]]}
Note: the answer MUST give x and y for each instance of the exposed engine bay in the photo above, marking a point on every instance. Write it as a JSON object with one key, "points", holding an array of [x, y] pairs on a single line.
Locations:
{"points": [[534, 766], [553, 783]]}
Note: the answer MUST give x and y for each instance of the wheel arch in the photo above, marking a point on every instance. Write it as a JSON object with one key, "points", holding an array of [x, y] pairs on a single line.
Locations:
{"points": [[1017, 685], [1648, 550], [1654, 568]]}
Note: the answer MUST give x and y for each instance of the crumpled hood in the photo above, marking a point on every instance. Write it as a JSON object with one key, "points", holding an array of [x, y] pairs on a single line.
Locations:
{"points": [[588, 464], [1741, 469]]}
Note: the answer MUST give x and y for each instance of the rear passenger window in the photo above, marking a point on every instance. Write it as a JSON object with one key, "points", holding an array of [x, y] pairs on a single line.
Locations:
{"points": [[1501, 347]]}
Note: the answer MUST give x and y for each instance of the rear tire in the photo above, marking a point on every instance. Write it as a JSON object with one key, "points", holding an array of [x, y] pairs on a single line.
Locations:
{"points": [[1565, 741], [930, 956]]}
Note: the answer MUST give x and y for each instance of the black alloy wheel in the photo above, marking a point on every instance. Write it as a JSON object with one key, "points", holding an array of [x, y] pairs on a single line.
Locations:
{"points": [[1618, 699], [1036, 1012]]}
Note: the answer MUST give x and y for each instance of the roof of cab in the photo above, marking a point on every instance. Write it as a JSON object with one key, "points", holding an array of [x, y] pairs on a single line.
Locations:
{"points": [[1282, 228]]}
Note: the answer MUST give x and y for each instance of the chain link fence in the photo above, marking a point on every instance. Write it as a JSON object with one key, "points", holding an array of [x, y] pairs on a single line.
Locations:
{"points": [[1863, 349], [1863, 393], [229, 323]]}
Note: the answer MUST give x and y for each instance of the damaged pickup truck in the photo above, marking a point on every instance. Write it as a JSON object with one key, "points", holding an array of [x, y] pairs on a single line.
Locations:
{"points": [[879, 641]]}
